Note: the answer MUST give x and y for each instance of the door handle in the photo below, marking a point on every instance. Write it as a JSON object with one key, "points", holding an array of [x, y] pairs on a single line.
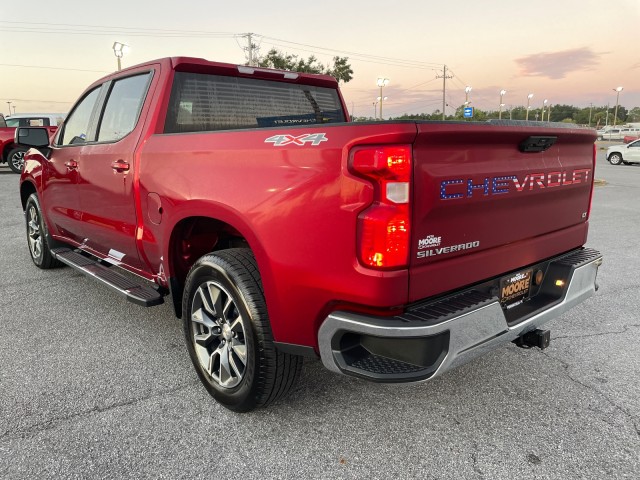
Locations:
{"points": [[71, 165], [120, 166]]}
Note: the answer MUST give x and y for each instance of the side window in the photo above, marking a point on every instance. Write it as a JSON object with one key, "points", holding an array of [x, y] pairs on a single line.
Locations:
{"points": [[123, 107], [77, 125]]}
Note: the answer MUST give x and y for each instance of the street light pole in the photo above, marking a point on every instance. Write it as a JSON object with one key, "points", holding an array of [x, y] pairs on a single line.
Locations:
{"points": [[467, 91], [119, 49], [544, 104], [379, 100], [529, 97], [615, 116], [382, 82], [502, 92], [9, 103]]}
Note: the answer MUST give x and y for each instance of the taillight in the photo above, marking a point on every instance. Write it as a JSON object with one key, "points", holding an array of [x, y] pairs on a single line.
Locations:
{"points": [[383, 228], [593, 177]]}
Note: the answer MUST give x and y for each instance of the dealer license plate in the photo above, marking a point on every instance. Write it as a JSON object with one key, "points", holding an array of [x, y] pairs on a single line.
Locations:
{"points": [[514, 289]]}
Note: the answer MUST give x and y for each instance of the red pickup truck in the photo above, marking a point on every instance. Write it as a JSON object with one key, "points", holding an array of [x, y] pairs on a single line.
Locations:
{"points": [[393, 251], [11, 153]]}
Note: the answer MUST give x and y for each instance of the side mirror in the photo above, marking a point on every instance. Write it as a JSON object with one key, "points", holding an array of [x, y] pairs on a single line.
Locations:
{"points": [[37, 137]]}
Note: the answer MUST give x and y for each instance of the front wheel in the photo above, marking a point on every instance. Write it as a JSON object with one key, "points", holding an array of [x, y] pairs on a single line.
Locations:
{"points": [[615, 159], [228, 334], [15, 159], [37, 236]]}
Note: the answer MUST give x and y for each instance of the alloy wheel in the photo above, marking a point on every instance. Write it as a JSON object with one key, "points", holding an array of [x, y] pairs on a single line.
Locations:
{"points": [[218, 334]]}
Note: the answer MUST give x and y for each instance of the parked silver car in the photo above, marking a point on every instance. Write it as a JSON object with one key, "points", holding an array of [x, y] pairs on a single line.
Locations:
{"points": [[617, 133], [624, 154]]}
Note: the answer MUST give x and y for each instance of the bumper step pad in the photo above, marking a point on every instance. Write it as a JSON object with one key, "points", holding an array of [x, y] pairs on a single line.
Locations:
{"points": [[134, 292]]}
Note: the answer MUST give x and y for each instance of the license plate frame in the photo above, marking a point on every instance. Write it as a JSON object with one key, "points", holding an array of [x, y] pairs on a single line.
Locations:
{"points": [[515, 288]]}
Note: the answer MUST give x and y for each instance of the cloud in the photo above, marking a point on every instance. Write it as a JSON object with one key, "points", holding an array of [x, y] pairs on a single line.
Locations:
{"points": [[557, 65]]}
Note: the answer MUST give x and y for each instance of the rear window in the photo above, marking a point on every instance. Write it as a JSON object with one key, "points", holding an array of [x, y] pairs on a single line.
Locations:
{"points": [[201, 102]]}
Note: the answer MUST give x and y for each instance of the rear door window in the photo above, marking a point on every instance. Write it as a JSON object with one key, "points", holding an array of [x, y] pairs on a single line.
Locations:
{"points": [[201, 102], [123, 107]]}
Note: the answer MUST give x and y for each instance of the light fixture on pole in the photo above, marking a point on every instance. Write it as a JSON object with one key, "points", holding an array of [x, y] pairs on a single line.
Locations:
{"points": [[382, 82], [467, 91], [379, 100], [529, 97], [502, 93], [120, 49], [615, 115], [544, 104]]}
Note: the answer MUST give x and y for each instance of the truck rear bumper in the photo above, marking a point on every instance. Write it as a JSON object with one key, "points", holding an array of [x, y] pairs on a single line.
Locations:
{"points": [[434, 337]]}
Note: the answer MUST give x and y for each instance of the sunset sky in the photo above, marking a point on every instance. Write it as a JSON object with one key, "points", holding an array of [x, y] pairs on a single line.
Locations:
{"points": [[567, 51]]}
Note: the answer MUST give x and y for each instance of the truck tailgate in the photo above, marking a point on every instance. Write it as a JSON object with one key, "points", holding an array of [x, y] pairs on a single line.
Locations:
{"points": [[483, 207]]}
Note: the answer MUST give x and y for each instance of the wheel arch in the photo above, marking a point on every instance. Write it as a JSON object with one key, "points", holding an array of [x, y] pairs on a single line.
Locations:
{"points": [[6, 148], [26, 189], [196, 235], [615, 153]]}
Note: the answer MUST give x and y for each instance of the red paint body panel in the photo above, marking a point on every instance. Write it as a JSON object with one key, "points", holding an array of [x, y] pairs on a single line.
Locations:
{"points": [[297, 208], [540, 213], [297, 205]]}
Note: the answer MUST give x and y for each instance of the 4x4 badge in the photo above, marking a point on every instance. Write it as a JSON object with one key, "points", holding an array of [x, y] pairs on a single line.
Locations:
{"points": [[313, 138]]}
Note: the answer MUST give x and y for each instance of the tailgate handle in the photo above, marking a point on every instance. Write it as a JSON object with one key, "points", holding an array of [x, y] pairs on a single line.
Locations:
{"points": [[120, 166], [537, 144]]}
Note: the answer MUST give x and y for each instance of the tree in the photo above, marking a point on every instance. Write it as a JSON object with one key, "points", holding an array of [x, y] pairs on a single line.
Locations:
{"points": [[634, 115], [341, 70]]}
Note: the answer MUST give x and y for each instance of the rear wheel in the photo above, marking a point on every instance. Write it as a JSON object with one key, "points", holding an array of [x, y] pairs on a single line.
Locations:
{"points": [[37, 236], [615, 159], [15, 159], [228, 334]]}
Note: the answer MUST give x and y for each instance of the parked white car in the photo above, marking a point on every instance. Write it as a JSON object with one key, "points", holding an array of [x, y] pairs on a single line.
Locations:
{"points": [[35, 119], [624, 154]]}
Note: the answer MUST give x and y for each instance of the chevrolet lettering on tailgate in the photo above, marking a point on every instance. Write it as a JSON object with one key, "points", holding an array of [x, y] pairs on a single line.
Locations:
{"points": [[461, 188]]}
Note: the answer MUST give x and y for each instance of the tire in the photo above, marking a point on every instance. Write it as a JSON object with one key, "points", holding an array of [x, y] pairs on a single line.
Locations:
{"points": [[615, 159], [37, 236], [228, 334], [15, 159]]}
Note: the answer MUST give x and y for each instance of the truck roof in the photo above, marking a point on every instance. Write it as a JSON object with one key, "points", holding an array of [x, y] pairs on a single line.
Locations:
{"points": [[200, 65]]}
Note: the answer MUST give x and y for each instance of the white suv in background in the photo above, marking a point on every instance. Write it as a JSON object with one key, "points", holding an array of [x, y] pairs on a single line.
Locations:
{"points": [[624, 154]]}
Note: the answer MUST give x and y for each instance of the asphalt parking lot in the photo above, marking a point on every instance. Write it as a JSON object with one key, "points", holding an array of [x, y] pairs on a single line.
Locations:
{"points": [[94, 387]]}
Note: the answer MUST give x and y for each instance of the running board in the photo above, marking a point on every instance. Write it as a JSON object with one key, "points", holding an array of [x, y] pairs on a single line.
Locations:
{"points": [[135, 292]]}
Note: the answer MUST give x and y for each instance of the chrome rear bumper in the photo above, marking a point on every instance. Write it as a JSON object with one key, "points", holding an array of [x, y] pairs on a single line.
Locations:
{"points": [[415, 347]]}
